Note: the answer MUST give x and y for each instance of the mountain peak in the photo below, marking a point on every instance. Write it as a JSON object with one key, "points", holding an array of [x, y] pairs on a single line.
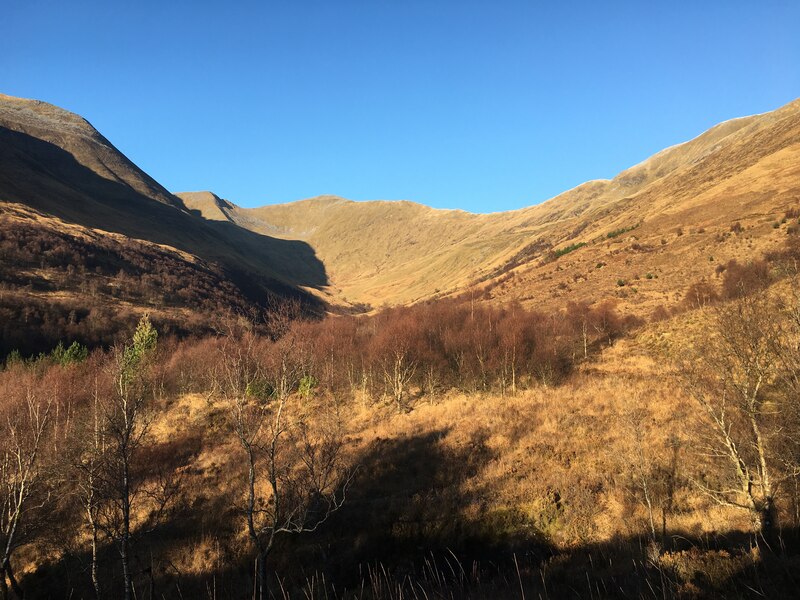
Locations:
{"points": [[33, 122], [208, 204], [23, 114]]}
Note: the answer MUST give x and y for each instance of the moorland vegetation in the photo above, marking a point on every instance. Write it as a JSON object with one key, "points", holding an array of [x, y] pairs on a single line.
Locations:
{"points": [[448, 449]]}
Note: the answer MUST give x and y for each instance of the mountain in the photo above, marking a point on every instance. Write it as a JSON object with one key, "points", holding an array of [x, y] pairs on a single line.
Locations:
{"points": [[56, 163], [668, 217], [70, 202], [87, 239]]}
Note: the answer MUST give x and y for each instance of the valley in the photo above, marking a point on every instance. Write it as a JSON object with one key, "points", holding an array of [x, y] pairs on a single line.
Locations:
{"points": [[594, 396]]}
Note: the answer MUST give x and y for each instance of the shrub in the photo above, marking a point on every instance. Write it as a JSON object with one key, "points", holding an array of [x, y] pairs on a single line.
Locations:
{"points": [[740, 280], [660, 313], [567, 249], [13, 357], [260, 389], [700, 293], [307, 385], [75, 353], [620, 231]]}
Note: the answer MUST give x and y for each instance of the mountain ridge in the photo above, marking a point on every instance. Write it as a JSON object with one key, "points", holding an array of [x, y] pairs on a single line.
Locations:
{"points": [[484, 242], [355, 255], [77, 135]]}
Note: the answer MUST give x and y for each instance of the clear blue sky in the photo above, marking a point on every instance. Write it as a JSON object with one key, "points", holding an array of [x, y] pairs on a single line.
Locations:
{"points": [[483, 106]]}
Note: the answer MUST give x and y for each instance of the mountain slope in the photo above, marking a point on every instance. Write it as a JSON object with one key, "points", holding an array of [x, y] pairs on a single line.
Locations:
{"points": [[57, 164], [76, 136], [639, 238], [743, 170], [88, 241]]}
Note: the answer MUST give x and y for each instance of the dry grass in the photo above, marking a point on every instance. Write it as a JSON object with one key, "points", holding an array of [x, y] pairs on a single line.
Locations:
{"points": [[676, 209], [559, 458], [530, 490], [549, 465]]}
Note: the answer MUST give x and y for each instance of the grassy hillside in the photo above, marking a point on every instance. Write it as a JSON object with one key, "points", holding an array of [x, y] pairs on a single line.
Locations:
{"points": [[744, 170]]}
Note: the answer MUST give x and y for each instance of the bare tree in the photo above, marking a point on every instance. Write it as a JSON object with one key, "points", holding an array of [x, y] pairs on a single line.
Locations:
{"points": [[732, 373], [87, 462], [786, 350], [295, 479], [513, 337], [606, 322], [641, 462], [579, 315], [398, 370], [125, 424], [393, 347], [22, 487], [652, 467]]}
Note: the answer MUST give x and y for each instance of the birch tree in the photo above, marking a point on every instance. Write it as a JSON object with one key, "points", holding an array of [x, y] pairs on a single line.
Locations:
{"points": [[125, 423], [23, 489], [294, 478], [731, 373]]}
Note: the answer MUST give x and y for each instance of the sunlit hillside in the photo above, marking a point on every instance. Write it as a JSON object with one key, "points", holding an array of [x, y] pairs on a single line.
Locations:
{"points": [[592, 397], [669, 216]]}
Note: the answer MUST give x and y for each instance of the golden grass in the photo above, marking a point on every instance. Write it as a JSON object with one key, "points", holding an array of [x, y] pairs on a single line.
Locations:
{"points": [[558, 457], [380, 253]]}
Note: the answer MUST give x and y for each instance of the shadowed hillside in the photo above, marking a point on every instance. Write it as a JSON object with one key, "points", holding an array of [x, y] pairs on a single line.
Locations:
{"points": [[51, 180], [64, 186]]}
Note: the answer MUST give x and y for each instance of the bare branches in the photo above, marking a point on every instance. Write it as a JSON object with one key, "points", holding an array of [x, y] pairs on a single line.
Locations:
{"points": [[23, 491], [295, 476], [111, 483], [734, 374]]}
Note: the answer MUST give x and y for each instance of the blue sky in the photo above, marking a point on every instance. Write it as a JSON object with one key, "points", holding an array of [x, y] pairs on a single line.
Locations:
{"points": [[482, 106]]}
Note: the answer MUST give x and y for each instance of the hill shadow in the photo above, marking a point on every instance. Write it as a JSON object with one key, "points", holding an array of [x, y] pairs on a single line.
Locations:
{"points": [[49, 179], [406, 532], [405, 515]]}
